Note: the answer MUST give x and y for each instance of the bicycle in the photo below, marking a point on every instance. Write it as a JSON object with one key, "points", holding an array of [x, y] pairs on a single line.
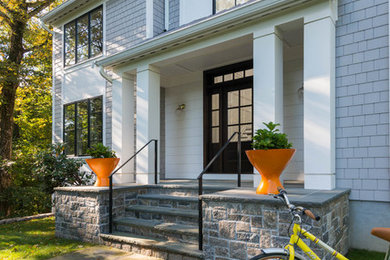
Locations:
{"points": [[288, 252]]}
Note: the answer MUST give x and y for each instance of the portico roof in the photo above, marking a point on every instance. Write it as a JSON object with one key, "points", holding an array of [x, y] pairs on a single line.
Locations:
{"points": [[200, 29]]}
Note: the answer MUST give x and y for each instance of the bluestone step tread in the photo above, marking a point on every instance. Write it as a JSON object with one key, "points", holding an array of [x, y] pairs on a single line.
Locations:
{"points": [[159, 244], [164, 211], [158, 225], [168, 197]]}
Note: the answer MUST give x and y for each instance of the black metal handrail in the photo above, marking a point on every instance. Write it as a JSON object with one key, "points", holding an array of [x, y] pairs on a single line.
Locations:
{"points": [[200, 181], [110, 177]]}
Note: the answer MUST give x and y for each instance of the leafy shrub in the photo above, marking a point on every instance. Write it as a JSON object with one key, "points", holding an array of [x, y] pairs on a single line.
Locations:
{"points": [[54, 169], [270, 138], [101, 151]]}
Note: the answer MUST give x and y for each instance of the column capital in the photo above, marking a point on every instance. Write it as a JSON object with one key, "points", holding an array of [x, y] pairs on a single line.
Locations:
{"points": [[148, 67]]}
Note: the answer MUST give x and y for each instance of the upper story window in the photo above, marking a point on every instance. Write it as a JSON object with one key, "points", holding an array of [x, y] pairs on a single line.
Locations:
{"points": [[220, 5], [83, 125], [84, 37]]}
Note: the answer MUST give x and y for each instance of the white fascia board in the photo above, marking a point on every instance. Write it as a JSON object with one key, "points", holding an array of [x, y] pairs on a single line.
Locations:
{"points": [[235, 17], [61, 12]]}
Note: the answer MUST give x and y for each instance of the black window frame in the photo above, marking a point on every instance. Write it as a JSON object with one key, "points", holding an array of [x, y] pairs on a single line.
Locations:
{"points": [[75, 123], [76, 38], [215, 6]]}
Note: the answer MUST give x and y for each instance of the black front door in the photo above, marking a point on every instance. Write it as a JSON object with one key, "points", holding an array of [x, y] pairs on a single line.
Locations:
{"points": [[228, 108]]}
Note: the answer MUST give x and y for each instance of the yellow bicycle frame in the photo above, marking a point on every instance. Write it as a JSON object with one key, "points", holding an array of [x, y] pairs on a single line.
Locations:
{"points": [[295, 240]]}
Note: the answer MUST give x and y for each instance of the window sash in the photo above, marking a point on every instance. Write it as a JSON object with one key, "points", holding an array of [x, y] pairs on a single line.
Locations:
{"points": [[221, 5], [82, 51], [83, 125]]}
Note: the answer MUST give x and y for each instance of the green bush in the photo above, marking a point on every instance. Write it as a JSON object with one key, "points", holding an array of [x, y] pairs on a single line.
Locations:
{"points": [[54, 169], [101, 151], [270, 138]]}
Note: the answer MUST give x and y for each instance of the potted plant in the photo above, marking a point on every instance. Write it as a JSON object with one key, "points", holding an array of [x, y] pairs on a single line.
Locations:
{"points": [[272, 152], [103, 162]]}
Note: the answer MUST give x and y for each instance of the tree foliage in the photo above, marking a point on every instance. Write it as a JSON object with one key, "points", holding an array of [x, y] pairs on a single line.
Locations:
{"points": [[25, 80]]}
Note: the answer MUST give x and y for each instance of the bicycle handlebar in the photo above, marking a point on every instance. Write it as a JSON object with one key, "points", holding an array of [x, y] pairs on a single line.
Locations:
{"points": [[283, 194]]}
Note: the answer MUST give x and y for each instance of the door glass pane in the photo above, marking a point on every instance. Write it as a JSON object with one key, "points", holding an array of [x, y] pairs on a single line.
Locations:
{"points": [[246, 133], [215, 135], [246, 115], [231, 130], [238, 75], [228, 77], [215, 101], [218, 79], [232, 116], [249, 73], [246, 97], [221, 5], [82, 38], [215, 118], [233, 98]]}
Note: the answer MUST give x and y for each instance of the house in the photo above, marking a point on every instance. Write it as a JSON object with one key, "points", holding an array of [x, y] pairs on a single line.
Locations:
{"points": [[190, 73]]}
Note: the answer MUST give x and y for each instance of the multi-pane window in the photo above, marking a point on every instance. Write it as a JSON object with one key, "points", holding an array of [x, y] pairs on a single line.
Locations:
{"points": [[84, 37], [220, 5], [83, 125]]}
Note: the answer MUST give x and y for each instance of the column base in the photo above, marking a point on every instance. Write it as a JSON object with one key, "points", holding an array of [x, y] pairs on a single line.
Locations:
{"points": [[320, 181], [146, 178]]}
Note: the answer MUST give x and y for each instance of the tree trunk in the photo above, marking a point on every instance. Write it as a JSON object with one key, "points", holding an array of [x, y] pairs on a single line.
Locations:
{"points": [[7, 105]]}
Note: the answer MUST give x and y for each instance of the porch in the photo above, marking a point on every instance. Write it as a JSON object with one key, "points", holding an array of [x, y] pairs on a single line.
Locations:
{"points": [[193, 96], [162, 220]]}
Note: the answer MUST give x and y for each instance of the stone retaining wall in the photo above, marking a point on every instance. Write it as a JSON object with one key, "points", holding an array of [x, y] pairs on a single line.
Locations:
{"points": [[82, 212], [238, 223]]}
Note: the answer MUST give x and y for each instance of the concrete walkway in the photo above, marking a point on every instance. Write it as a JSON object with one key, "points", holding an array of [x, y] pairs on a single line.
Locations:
{"points": [[102, 253]]}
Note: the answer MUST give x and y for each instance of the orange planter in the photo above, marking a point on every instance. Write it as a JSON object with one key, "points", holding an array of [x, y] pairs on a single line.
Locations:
{"points": [[270, 164], [102, 167]]}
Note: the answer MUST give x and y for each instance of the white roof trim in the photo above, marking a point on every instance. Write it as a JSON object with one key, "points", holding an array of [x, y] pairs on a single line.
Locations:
{"points": [[213, 24], [64, 10]]}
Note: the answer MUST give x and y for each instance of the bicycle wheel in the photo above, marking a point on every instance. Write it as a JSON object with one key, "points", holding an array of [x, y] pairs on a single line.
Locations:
{"points": [[272, 256]]}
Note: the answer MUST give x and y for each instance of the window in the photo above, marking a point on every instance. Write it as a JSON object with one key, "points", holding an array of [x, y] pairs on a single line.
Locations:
{"points": [[83, 125], [220, 5], [84, 37]]}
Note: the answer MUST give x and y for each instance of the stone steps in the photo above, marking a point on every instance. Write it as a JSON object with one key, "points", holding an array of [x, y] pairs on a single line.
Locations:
{"points": [[159, 248], [168, 215], [158, 229], [162, 200]]}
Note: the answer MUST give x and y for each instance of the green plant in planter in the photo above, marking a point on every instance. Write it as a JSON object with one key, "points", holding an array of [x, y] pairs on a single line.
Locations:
{"points": [[270, 138], [101, 151]]}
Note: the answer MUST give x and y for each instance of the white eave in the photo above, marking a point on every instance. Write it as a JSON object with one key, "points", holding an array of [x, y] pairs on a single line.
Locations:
{"points": [[64, 10], [208, 26]]}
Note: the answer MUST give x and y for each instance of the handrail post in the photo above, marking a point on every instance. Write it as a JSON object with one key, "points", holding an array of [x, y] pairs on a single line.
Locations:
{"points": [[155, 161], [110, 208], [239, 159], [200, 220]]}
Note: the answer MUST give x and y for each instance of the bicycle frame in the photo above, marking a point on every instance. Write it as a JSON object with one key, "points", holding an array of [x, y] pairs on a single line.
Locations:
{"points": [[295, 240]]}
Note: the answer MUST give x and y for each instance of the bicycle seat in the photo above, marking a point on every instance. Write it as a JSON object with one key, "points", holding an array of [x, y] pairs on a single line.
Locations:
{"points": [[381, 232]]}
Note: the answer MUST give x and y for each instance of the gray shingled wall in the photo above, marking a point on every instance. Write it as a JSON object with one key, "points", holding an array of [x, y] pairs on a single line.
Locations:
{"points": [[126, 24], [174, 13], [57, 85], [362, 99], [158, 17]]}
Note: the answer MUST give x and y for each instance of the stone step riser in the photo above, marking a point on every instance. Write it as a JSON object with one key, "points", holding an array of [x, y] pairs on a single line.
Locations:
{"points": [[145, 231], [179, 204], [162, 217], [183, 192], [152, 252]]}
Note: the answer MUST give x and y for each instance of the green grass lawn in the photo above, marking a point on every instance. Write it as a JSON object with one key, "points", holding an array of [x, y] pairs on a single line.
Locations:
{"points": [[357, 254], [34, 240]]}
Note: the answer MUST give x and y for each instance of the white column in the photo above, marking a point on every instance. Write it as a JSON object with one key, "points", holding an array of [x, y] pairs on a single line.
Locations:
{"points": [[319, 104], [123, 126], [267, 81], [148, 121]]}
